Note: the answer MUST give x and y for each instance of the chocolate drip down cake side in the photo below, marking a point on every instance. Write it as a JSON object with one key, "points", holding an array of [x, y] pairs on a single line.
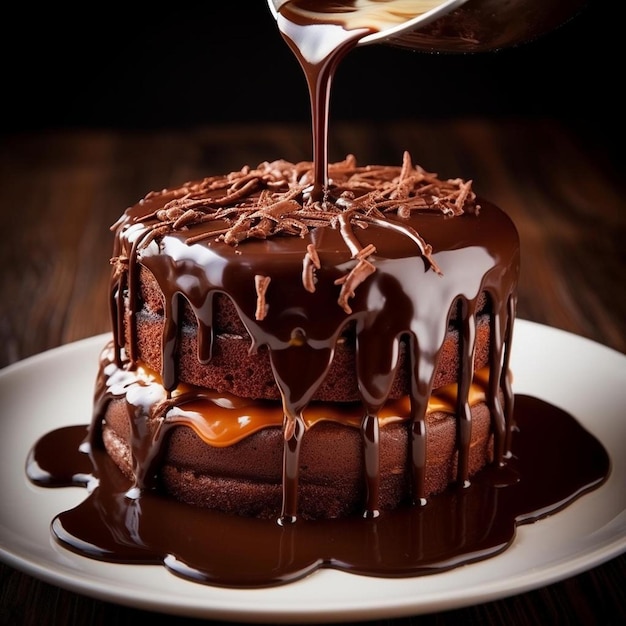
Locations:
{"points": [[276, 356]]}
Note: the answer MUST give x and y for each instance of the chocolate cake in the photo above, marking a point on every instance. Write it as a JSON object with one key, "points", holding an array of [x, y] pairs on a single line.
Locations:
{"points": [[280, 355], [312, 341]]}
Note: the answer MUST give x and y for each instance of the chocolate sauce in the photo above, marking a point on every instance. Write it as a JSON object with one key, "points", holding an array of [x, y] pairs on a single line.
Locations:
{"points": [[319, 47], [554, 461]]}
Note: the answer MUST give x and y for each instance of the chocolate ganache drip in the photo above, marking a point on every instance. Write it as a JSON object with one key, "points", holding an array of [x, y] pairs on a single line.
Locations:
{"points": [[391, 248]]}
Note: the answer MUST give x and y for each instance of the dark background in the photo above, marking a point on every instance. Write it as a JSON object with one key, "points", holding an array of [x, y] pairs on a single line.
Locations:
{"points": [[103, 65]]}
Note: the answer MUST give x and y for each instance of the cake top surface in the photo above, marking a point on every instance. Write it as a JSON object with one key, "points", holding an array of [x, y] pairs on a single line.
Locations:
{"points": [[273, 199]]}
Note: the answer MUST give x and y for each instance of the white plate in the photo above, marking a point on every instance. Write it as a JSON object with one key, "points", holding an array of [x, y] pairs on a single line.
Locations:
{"points": [[54, 389]]}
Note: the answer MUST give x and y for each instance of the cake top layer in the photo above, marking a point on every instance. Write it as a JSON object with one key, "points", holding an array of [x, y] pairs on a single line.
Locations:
{"points": [[274, 199]]}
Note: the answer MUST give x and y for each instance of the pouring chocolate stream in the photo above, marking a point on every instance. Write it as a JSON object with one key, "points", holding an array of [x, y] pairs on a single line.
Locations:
{"points": [[320, 34]]}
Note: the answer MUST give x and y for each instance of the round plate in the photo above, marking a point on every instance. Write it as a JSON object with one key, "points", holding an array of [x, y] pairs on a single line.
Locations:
{"points": [[55, 389]]}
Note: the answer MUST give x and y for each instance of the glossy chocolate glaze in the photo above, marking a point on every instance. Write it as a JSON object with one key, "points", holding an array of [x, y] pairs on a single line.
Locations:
{"points": [[553, 462]]}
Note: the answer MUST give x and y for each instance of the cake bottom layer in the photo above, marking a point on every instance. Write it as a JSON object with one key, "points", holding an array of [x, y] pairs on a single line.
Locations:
{"points": [[245, 478]]}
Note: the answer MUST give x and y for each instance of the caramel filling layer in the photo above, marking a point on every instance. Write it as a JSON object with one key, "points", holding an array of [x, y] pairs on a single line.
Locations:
{"points": [[221, 419]]}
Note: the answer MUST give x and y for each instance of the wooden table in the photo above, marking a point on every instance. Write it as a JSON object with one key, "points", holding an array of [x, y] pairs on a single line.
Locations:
{"points": [[563, 184]]}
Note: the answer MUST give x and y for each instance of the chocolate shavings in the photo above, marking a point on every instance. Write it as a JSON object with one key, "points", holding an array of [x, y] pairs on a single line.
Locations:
{"points": [[272, 200]]}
